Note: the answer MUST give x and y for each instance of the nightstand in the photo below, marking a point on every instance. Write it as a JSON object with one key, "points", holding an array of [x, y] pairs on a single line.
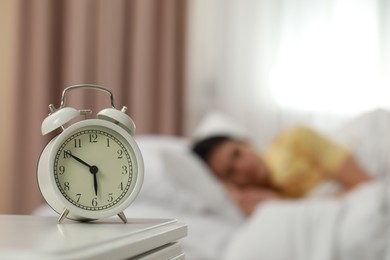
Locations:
{"points": [[36, 237]]}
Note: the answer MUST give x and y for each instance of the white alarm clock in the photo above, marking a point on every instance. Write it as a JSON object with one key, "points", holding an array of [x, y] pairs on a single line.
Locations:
{"points": [[93, 169]]}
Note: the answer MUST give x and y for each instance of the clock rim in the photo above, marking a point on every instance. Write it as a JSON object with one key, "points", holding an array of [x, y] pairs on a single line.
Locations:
{"points": [[75, 212]]}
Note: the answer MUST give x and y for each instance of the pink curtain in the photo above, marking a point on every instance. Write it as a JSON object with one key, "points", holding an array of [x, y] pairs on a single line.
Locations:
{"points": [[133, 47]]}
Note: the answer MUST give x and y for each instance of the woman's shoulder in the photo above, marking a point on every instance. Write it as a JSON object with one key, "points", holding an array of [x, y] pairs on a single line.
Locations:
{"points": [[295, 133]]}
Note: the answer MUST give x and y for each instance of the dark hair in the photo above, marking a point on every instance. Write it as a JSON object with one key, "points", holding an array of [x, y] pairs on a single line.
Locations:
{"points": [[205, 147]]}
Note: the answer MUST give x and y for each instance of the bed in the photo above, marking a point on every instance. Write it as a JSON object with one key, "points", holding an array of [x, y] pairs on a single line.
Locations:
{"points": [[178, 185]]}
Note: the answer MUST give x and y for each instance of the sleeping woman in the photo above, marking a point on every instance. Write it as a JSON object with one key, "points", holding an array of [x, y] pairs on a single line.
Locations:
{"points": [[294, 164]]}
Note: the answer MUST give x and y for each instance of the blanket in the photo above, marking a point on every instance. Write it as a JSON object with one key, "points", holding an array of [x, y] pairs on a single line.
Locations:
{"points": [[354, 227]]}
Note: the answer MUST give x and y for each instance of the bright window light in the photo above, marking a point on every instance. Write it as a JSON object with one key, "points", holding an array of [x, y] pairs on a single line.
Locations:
{"points": [[333, 66]]}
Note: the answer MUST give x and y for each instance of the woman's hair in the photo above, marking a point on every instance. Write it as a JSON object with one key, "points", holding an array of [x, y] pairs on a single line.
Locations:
{"points": [[205, 147]]}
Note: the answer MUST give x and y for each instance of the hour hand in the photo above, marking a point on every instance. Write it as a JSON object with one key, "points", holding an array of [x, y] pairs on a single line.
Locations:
{"points": [[78, 159]]}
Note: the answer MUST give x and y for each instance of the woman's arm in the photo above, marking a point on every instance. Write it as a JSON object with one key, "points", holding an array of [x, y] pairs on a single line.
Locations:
{"points": [[350, 174], [249, 198]]}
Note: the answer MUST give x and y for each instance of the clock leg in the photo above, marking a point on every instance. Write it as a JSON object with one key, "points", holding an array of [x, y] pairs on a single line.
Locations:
{"points": [[63, 215], [122, 217]]}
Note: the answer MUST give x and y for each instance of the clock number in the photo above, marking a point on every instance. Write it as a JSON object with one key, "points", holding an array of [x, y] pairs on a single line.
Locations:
{"points": [[120, 186], [78, 195], [67, 154], [110, 198], [77, 143], [124, 168], [66, 186], [108, 142], [93, 138], [94, 202], [120, 154], [61, 169]]}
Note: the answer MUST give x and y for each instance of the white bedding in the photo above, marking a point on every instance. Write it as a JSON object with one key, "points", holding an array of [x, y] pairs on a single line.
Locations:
{"points": [[353, 228], [178, 185]]}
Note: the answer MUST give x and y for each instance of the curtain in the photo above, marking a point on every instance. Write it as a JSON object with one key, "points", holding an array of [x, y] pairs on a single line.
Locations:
{"points": [[270, 64], [133, 47]]}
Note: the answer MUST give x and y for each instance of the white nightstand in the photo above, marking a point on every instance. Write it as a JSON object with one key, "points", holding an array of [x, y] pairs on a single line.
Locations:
{"points": [[35, 237]]}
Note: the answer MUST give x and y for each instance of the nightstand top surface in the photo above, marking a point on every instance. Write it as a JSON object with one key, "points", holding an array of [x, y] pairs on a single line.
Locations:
{"points": [[36, 237]]}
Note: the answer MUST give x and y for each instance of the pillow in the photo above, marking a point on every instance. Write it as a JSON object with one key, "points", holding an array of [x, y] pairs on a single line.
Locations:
{"points": [[156, 186], [192, 174], [218, 123], [174, 177], [368, 136]]}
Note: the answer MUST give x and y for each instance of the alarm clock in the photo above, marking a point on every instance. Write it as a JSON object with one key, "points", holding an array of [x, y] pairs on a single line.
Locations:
{"points": [[93, 168]]}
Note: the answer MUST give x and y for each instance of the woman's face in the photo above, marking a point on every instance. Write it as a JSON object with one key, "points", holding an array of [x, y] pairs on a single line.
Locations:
{"points": [[235, 162]]}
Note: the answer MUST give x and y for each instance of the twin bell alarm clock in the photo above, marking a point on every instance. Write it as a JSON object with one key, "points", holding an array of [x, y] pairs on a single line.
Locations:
{"points": [[93, 168]]}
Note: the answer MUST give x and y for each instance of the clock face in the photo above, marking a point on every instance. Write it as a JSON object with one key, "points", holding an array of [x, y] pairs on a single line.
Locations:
{"points": [[94, 168]]}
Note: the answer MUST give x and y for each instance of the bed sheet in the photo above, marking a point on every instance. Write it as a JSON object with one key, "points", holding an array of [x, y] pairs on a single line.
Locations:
{"points": [[356, 227]]}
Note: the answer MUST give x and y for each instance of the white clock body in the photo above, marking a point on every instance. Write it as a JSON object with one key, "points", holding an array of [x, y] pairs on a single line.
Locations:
{"points": [[93, 169]]}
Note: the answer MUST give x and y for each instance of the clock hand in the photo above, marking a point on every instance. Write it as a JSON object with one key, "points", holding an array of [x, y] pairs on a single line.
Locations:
{"points": [[78, 159], [92, 169], [95, 185]]}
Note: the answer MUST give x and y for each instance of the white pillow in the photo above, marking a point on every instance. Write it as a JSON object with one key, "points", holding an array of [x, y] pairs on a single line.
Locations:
{"points": [[157, 187], [368, 136], [174, 177], [218, 123], [191, 173]]}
